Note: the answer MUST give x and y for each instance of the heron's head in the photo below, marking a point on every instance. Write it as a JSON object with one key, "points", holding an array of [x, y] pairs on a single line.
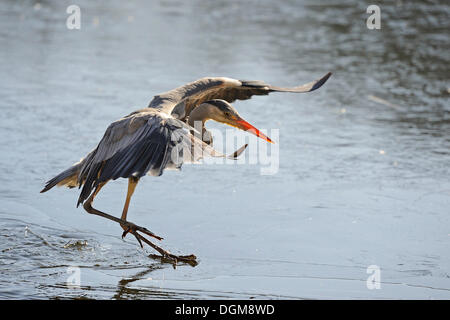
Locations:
{"points": [[222, 111]]}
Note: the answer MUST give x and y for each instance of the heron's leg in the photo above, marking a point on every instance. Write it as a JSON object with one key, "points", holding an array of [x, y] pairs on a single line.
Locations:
{"points": [[88, 207], [132, 183], [132, 228]]}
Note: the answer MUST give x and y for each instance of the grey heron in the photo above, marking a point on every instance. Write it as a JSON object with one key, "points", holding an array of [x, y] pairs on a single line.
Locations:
{"points": [[142, 143]]}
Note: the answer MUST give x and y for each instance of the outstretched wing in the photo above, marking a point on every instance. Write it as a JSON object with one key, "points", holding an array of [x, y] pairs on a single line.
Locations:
{"points": [[182, 100], [139, 144]]}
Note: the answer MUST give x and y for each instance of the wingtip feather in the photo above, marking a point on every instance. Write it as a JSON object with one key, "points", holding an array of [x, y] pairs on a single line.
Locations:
{"points": [[321, 81]]}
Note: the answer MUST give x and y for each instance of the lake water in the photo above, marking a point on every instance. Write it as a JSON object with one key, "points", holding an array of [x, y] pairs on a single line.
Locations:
{"points": [[364, 162]]}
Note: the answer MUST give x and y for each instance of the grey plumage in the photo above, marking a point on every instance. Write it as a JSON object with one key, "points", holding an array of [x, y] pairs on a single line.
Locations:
{"points": [[156, 138], [142, 142], [138, 144], [67, 178], [183, 99]]}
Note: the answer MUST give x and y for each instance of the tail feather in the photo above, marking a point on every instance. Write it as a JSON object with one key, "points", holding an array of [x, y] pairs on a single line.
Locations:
{"points": [[67, 178]]}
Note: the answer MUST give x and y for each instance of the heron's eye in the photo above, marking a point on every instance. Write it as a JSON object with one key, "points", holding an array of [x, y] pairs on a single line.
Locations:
{"points": [[227, 114]]}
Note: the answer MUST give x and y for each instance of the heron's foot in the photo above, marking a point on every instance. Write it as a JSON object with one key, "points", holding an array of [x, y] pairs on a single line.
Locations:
{"points": [[130, 227], [165, 255], [174, 259]]}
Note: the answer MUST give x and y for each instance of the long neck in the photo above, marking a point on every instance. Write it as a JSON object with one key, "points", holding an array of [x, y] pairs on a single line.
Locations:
{"points": [[198, 117], [201, 113]]}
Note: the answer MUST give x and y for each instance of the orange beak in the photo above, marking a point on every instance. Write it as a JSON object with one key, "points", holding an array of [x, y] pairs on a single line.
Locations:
{"points": [[244, 125]]}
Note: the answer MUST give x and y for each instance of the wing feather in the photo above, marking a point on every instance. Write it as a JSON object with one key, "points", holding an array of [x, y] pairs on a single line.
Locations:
{"points": [[131, 146], [139, 144], [183, 99]]}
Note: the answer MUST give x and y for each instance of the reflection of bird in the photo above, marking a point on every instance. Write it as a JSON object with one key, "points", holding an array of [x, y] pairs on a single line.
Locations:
{"points": [[145, 141]]}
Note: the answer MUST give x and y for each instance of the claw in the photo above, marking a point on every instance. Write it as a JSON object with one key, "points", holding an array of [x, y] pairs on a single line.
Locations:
{"points": [[137, 238], [165, 256], [149, 233], [124, 234], [132, 227], [173, 259]]}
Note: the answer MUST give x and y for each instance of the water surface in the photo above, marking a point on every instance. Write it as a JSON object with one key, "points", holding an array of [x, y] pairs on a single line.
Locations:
{"points": [[364, 161]]}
